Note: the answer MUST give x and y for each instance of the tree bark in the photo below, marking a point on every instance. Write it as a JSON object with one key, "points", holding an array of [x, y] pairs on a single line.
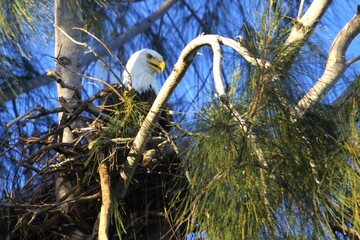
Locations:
{"points": [[302, 30], [104, 220], [335, 65], [68, 63]]}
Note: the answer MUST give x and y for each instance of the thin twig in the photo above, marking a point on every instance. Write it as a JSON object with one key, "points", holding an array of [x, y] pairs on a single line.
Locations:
{"points": [[93, 52], [107, 49], [351, 61]]}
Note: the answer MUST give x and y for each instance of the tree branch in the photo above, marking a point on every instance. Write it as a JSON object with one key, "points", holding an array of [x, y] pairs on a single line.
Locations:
{"points": [[180, 68], [346, 94], [301, 7], [104, 220], [335, 65], [11, 91], [302, 30]]}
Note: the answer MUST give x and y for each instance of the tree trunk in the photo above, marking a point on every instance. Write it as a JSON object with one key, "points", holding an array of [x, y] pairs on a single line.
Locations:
{"points": [[68, 64]]}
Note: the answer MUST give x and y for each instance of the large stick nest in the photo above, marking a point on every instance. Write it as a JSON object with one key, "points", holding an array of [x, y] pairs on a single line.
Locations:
{"points": [[30, 209]]}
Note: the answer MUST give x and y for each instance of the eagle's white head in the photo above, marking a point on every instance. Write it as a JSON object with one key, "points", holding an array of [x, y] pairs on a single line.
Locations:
{"points": [[141, 69]]}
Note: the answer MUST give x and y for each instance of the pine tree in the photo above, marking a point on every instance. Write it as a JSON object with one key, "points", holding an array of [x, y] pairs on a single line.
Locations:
{"points": [[263, 151]]}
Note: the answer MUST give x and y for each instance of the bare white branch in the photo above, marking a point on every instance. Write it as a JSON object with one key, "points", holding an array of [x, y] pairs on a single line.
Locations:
{"points": [[301, 7], [180, 68], [304, 25], [335, 65], [219, 86]]}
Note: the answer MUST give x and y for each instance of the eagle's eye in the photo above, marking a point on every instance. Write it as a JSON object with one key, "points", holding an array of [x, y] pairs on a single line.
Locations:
{"points": [[149, 56]]}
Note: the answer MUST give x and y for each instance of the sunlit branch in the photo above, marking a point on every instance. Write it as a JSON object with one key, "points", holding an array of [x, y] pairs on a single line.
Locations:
{"points": [[186, 57], [104, 219], [306, 24], [335, 65], [301, 7], [301, 31]]}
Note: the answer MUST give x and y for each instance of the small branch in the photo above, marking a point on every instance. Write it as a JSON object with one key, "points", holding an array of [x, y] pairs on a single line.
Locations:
{"points": [[335, 66], [355, 59], [107, 49], [42, 112], [346, 94], [21, 117], [239, 47], [54, 75], [104, 220], [301, 7], [219, 85], [93, 52], [51, 205], [132, 32]]}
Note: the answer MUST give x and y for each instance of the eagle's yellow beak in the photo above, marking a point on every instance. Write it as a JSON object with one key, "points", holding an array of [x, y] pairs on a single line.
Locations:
{"points": [[157, 65]]}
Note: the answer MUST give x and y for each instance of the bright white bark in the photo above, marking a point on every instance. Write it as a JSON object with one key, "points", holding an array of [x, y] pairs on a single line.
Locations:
{"points": [[306, 24], [302, 29], [335, 65]]}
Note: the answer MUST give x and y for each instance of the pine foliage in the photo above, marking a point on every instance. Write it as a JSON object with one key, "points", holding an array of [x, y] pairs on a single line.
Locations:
{"points": [[310, 180]]}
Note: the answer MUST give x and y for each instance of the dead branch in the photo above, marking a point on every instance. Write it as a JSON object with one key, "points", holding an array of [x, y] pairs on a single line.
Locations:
{"points": [[104, 220], [346, 94]]}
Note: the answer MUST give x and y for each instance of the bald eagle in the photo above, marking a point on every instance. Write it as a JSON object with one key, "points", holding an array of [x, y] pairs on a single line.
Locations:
{"points": [[139, 76], [140, 73]]}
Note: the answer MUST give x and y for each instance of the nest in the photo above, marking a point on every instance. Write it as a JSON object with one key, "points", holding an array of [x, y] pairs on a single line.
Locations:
{"points": [[33, 209]]}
